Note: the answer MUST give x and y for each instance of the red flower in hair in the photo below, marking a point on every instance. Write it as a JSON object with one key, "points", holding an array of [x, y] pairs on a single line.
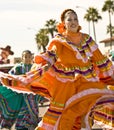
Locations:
{"points": [[61, 28]]}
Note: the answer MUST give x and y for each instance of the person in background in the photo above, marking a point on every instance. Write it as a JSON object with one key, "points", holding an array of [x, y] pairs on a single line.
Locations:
{"points": [[68, 76], [18, 108], [4, 56], [25, 65], [111, 54]]}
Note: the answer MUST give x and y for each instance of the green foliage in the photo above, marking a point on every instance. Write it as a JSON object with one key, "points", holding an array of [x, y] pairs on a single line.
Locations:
{"points": [[51, 26], [108, 6], [108, 29], [42, 37], [93, 16]]}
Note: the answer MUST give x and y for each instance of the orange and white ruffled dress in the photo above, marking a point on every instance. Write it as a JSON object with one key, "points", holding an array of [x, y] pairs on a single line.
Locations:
{"points": [[72, 83]]}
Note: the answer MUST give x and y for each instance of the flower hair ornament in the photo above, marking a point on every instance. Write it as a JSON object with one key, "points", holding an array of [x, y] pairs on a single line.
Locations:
{"points": [[61, 27]]}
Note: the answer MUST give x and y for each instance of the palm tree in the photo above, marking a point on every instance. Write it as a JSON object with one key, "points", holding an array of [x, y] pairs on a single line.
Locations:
{"points": [[51, 26], [93, 16], [112, 29], [87, 18], [109, 7], [42, 39]]}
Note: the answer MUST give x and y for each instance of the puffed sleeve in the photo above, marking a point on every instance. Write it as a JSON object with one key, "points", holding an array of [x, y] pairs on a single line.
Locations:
{"points": [[103, 63], [54, 48]]}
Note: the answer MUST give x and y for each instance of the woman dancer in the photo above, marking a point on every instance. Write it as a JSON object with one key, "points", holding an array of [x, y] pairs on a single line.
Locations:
{"points": [[69, 76]]}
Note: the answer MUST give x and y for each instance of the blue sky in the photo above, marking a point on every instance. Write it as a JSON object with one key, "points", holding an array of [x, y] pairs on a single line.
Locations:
{"points": [[20, 20]]}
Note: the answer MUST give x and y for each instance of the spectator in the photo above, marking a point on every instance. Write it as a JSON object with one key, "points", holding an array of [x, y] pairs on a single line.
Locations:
{"points": [[18, 108], [4, 56], [112, 55]]}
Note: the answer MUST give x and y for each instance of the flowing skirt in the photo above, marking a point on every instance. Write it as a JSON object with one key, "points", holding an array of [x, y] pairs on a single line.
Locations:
{"points": [[70, 101], [19, 108], [102, 113]]}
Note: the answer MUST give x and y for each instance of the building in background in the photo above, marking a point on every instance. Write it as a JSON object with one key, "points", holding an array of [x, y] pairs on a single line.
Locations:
{"points": [[108, 45], [107, 42]]}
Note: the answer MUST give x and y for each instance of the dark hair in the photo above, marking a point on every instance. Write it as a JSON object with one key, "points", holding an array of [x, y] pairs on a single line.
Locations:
{"points": [[65, 11], [27, 51]]}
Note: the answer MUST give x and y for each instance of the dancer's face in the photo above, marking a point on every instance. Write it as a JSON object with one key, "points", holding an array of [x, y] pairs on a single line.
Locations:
{"points": [[71, 22]]}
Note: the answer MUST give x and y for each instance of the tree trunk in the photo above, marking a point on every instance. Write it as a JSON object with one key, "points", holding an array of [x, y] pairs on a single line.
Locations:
{"points": [[110, 27], [94, 31]]}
